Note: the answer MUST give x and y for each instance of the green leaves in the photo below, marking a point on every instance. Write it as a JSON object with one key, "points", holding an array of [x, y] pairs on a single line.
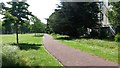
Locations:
{"points": [[37, 25], [117, 37], [10, 16], [114, 14], [17, 14], [72, 16]]}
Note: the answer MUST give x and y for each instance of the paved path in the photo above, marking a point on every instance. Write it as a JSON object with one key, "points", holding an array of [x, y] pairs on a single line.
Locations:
{"points": [[72, 57]]}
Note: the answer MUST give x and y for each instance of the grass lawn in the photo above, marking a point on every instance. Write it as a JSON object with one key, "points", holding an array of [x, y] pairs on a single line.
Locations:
{"points": [[104, 49], [30, 51]]}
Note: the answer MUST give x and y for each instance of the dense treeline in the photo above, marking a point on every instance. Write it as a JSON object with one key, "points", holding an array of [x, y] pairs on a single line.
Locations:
{"points": [[82, 19], [28, 27], [75, 18]]}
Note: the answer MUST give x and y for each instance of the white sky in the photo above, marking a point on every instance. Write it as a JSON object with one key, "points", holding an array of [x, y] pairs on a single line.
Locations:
{"points": [[41, 8]]}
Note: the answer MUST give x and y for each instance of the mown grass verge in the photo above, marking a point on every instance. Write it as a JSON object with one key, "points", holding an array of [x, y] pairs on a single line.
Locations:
{"points": [[30, 51], [104, 49]]}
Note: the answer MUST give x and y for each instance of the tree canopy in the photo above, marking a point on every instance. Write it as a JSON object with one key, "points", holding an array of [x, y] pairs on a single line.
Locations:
{"points": [[17, 15], [37, 26], [114, 15], [73, 18]]}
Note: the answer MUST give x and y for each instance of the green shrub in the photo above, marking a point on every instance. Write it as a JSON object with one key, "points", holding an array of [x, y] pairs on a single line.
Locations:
{"points": [[103, 33], [94, 34], [117, 37], [10, 56]]}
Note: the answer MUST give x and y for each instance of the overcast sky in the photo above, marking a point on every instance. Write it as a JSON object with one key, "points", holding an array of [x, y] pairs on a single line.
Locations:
{"points": [[41, 8]]}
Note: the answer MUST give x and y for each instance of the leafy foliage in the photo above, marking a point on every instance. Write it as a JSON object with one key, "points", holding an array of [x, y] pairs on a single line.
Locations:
{"points": [[117, 37], [73, 20], [10, 56], [16, 15], [0, 25], [114, 15], [37, 26]]}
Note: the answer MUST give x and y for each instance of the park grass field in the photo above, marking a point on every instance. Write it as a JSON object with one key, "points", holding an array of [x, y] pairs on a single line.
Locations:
{"points": [[30, 51], [101, 48]]}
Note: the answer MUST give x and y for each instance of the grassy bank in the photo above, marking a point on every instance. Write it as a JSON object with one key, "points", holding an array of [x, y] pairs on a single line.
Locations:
{"points": [[104, 49], [30, 51]]}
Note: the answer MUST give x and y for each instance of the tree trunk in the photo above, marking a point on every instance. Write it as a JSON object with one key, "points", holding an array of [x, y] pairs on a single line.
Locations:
{"points": [[17, 34]]}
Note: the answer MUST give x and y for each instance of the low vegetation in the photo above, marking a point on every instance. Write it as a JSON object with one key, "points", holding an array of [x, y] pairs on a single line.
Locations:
{"points": [[117, 37], [30, 51], [104, 49]]}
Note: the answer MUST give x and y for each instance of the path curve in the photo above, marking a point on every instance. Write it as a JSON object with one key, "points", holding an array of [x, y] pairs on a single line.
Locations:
{"points": [[72, 57]]}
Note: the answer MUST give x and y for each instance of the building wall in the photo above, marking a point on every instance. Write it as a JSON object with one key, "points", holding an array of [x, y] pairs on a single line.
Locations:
{"points": [[105, 21]]}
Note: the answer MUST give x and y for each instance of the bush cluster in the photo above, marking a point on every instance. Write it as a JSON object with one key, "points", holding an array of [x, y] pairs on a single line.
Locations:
{"points": [[10, 56], [117, 37]]}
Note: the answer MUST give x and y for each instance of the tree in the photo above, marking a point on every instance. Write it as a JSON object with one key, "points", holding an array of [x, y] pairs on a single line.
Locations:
{"points": [[74, 20], [18, 14], [48, 28], [7, 26], [0, 26], [25, 27], [8, 21], [114, 15], [37, 26]]}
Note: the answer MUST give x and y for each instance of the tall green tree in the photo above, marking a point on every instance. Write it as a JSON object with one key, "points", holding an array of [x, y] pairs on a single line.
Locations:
{"points": [[19, 10], [73, 18]]}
